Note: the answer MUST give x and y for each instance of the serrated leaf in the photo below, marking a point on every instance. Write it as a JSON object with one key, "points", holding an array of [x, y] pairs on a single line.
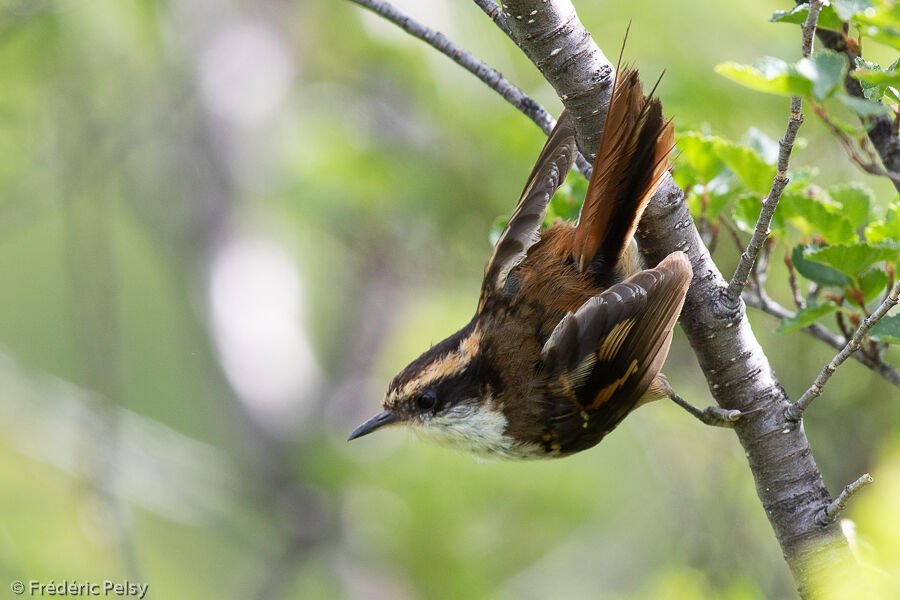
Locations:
{"points": [[863, 107], [817, 76], [872, 283], [828, 18], [877, 82], [750, 167], [807, 316], [855, 201], [699, 151], [818, 215], [746, 214], [816, 272], [826, 71], [885, 229], [770, 75], [886, 330], [853, 259]]}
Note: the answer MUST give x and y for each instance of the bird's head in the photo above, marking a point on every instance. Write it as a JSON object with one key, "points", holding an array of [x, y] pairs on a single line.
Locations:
{"points": [[445, 396]]}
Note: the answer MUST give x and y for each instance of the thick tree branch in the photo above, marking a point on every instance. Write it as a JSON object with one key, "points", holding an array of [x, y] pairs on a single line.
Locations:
{"points": [[551, 35], [786, 144], [795, 410], [787, 480]]}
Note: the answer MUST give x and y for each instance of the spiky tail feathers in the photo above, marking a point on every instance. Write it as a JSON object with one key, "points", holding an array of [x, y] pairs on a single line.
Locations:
{"points": [[631, 161]]}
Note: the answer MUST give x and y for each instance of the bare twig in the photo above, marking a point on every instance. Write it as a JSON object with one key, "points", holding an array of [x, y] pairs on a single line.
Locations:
{"points": [[792, 280], [795, 410], [830, 513], [770, 203], [711, 415], [493, 10], [821, 333], [466, 60]]}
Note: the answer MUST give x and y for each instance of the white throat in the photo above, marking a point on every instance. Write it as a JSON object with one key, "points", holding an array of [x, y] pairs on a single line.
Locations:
{"points": [[478, 429]]}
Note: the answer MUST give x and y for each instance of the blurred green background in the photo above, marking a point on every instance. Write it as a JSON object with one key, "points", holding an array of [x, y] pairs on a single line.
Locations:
{"points": [[225, 225]]}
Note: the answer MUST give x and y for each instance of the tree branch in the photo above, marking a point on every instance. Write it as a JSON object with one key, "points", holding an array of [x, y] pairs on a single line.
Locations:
{"points": [[880, 127], [739, 375], [466, 60], [551, 35], [830, 513], [493, 10], [795, 410], [786, 144]]}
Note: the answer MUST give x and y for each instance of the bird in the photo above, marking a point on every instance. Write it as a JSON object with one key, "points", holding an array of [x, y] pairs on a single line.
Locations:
{"points": [[570, 332]]}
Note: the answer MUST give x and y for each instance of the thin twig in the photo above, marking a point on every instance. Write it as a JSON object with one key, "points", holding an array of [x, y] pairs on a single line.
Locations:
{"points": [[795, 410], [493, 10], [466, 60], [770, 203], [869, 162], [881, 129], [792, 281], [767, 305], [830, 513], [733, 230]]}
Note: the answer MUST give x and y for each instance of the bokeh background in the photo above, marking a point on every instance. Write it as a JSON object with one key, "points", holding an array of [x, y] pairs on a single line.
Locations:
{"points": [[225, 225]]}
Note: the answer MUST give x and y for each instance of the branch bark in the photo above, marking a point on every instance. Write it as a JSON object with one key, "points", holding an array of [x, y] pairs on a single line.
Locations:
{"points": [[788, 482]]}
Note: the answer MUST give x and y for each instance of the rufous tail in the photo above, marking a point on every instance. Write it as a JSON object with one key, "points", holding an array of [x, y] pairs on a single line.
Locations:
{"points": [[631, 161]]}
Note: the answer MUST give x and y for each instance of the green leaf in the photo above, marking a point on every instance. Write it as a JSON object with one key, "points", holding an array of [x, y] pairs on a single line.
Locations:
{"points": [[877, 82], [887, 228], [826, 71], [807, 316], [863, 107], [853, 259], [881, 23], [872, 283], [886, 330], [763, 145], [818, 215], [700, 152], [816, 272], [746, 213], [750, 167], [847, 9], [818, 76], [828, 18], [770, 75], [855, 201]]}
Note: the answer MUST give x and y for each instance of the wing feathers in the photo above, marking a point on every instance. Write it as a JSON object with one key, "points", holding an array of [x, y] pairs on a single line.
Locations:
{"points": [[523, 229], [622, 334]]}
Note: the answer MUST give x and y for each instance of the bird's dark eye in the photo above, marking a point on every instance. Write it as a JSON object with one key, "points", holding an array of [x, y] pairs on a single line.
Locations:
{"points": [[427, 401]]}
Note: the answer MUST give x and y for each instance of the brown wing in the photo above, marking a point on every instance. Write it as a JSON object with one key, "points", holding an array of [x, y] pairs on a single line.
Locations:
{"points": [[523, 229], [604, 356]]}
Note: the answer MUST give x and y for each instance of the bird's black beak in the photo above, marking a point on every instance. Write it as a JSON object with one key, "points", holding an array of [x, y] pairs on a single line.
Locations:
{"points": [[385, 417]]}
